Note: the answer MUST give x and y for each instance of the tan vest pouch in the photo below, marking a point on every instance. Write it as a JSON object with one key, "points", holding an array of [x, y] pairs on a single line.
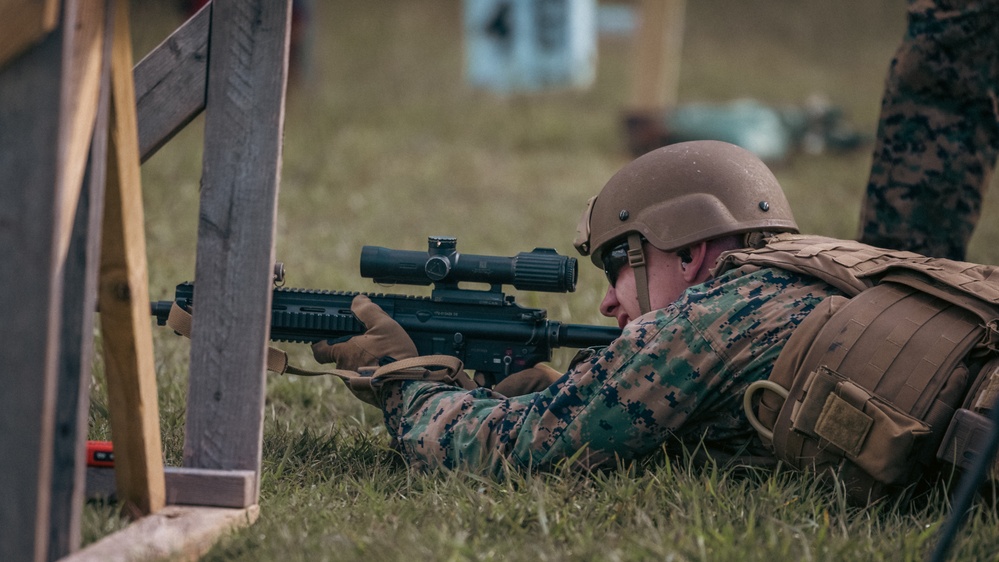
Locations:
{"points": [[849, 422], [971, 427], [873, 382]]}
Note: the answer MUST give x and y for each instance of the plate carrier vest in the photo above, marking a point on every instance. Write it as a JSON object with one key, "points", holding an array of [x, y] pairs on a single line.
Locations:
{"points": [[879, 386]]}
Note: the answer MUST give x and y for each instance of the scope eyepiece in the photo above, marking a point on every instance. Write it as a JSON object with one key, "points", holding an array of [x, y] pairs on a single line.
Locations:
{"points": [[542, 269]]}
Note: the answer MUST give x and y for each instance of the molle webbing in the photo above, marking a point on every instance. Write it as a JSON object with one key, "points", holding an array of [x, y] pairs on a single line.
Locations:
{"points": [[853, 267], [874, 380], [876, 386]]}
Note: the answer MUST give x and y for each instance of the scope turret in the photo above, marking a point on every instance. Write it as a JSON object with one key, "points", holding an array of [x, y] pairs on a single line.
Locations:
{"points": [[542, 269]]}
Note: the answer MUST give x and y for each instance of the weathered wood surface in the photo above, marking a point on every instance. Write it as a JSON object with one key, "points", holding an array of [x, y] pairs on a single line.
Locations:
{"points": [[207, 487], [84, 28], [29, 129], [100, 483], [175, 533], [77, 337], [24, 23], [124, 297], [37, 125], [186, 486], [244, 119], [170, 83]]}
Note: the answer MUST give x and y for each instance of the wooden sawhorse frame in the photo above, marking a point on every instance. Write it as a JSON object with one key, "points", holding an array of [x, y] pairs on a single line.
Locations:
{"points": [[75, 123]]}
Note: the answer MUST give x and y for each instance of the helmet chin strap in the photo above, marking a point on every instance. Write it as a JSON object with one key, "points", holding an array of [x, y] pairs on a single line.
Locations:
{"points": [[636, 259]]}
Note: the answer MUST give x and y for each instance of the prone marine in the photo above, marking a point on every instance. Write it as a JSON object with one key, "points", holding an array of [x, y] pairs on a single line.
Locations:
{"points": [[742, 339]]}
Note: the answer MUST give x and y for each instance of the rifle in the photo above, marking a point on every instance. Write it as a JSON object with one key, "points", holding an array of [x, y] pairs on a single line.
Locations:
{"points": [[485, 328]]}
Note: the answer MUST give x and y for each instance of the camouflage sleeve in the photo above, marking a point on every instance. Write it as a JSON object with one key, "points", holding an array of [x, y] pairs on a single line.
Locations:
{"points": [[680, 371], [616, 404]]}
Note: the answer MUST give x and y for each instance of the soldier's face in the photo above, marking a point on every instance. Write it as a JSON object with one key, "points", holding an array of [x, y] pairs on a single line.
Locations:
{"points": [[666, 284]]}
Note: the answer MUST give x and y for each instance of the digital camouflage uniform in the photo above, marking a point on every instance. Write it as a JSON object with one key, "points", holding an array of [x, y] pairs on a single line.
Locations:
{"points": [[939, 130], [677, 372]]}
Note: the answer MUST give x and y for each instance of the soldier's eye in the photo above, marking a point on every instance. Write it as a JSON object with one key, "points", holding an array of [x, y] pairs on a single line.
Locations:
{"points": [[614, 262]]}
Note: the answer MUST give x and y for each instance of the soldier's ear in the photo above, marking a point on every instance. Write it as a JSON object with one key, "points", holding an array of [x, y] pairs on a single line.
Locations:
{"points": [[692, 260]]}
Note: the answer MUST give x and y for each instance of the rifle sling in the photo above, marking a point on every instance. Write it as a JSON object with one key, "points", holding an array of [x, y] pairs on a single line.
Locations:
{"points": [[448, 370]]}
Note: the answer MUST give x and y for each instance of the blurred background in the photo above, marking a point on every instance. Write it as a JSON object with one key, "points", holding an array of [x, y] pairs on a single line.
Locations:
{"points": [[387, 139]]}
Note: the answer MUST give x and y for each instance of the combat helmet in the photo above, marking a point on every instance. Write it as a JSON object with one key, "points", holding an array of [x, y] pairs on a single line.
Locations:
{"points": [[679, 195]]}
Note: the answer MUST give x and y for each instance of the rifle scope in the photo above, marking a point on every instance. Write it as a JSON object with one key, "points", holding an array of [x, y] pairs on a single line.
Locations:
{"points": [[542, 269]]}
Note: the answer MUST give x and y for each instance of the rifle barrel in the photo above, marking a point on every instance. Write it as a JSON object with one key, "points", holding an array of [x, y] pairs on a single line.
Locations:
{"points": [[583, 335]]}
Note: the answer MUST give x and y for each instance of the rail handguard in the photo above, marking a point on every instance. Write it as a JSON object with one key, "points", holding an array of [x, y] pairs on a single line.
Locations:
{"points": [[486, 329]]}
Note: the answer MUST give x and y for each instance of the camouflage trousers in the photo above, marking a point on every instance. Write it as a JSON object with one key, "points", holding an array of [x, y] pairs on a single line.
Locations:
{"points": [[938, 133]]}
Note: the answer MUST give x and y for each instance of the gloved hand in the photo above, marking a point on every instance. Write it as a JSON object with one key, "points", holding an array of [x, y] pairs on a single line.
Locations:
{"points": [[383, 338], [531, 379]]}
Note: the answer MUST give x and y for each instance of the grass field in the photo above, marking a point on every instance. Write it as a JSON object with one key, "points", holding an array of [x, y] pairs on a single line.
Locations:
{"points": [[385, 145]]}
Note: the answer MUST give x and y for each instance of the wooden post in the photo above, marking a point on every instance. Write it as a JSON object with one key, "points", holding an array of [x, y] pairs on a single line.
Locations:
{"points": [[50, 97], [85, 32], [48, 102], [124, 298], [77, 339], [658, 44], [29, 131], [248, 68], [656, 73]]}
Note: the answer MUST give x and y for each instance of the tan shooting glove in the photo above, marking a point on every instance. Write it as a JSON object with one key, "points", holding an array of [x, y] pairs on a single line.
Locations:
{"points": [[388, 347], [531, 379], [383, 340]]}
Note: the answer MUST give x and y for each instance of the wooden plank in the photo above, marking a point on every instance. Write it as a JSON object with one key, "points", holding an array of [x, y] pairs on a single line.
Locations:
{"points": [[124, 298], [170, 83], [84, 30], [175, 533], [24, 23], [29, 158], [207, 487], [76, 351], [248, 66], [658, 45], [186, 486], [100, 483]]}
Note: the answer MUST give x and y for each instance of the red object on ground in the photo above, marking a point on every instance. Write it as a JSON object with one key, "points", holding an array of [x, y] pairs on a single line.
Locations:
{"points": [[100, 453]]}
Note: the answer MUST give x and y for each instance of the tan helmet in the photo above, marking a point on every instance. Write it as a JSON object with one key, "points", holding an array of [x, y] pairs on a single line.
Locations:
{"points": [[685, 193]]}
